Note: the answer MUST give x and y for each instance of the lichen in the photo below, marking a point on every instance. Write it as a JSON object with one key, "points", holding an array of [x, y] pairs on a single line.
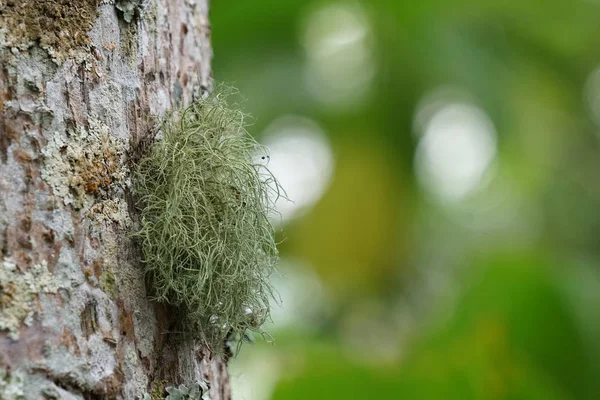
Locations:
{"points": [[11, 385], [84, 166], [111, 210], [183, 392], [129, 8], [107, 99], [18, 291], [58, 26], [70, 370], [108, 283], [208, 245], [158, 388], [129, 43], [3, 225]]}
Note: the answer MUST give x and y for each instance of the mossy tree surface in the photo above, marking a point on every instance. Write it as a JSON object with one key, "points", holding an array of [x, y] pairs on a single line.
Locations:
{"points": [[81, 83]]}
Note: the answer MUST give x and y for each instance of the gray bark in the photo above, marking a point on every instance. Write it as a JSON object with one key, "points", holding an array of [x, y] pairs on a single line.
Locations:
{"points": [[81, 86]]}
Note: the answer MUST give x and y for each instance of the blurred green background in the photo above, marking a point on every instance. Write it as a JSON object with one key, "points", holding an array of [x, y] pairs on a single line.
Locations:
{"points": [[444, 163]]}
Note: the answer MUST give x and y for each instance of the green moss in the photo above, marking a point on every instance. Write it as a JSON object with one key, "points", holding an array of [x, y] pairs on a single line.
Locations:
{"points": [[157, 390], [59, 26], [108, 283], [129, 42], [207, 242]]}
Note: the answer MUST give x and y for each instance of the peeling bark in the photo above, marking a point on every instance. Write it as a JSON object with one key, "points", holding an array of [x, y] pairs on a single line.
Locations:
{"points": [[75, 103]]}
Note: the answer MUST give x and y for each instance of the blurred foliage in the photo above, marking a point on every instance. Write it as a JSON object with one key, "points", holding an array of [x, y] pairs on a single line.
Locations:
{"points": [[494, 297]]}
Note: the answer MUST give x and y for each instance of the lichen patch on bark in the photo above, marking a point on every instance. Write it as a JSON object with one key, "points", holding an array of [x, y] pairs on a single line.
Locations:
{"points": [[83, 164], [129, 8], [11, 385], [58, 26], [18, 292]]}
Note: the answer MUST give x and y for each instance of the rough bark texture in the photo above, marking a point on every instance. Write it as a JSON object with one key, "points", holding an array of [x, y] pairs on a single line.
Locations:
{"points": [[81, 85]]}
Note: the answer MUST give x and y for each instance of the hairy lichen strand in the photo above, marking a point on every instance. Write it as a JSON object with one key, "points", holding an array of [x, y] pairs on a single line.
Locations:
{"points": [[207, 242]]}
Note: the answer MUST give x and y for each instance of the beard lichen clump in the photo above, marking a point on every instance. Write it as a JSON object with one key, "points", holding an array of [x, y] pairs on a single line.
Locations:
{"points": [[208, 246]]}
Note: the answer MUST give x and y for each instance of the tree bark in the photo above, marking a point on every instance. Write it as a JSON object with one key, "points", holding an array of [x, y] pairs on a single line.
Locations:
{"points": [[82, 83]]}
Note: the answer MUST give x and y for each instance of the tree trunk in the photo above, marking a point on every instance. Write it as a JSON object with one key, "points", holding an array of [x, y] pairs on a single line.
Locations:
{"points": [[82, 82]]}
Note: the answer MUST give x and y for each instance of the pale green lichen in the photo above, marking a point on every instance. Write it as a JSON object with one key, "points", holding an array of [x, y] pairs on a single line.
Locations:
{"points": [[129, 8], [18, 291], [84, 166], [183, 392], [111, 210], [11, 385], [208, 245]]}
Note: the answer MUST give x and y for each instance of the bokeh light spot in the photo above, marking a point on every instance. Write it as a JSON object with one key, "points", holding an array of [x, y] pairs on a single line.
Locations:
{"points": [[301, 160], [304, 298], [456, 148], [339, 50]]}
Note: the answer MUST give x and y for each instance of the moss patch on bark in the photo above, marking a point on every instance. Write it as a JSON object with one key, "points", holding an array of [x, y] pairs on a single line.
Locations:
{"points": [[58, 26]]}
